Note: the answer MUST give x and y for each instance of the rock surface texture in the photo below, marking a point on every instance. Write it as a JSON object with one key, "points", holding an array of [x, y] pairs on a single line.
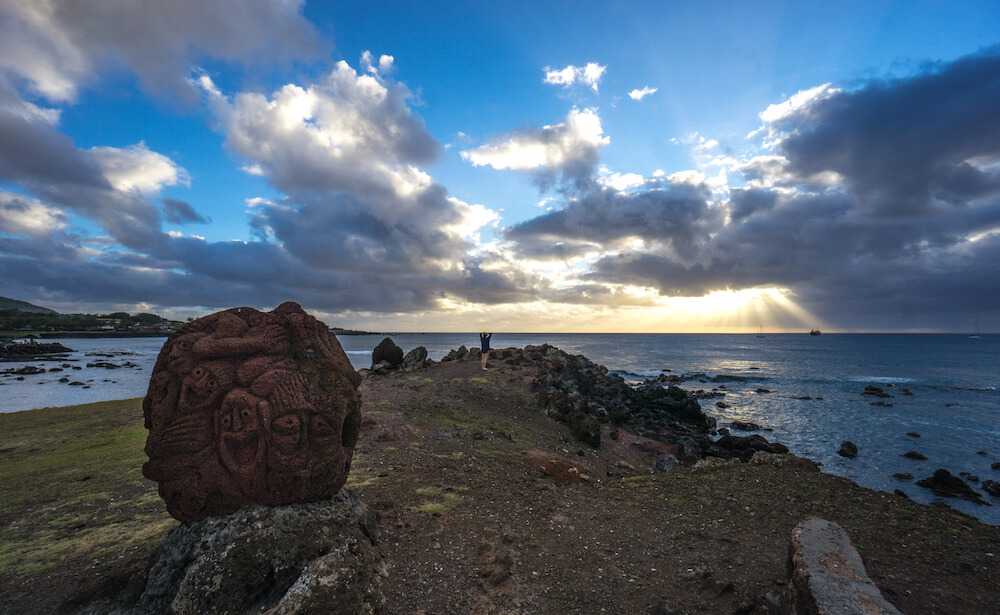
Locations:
{"points": [[247, 407], [827, 575], [320, 557]]}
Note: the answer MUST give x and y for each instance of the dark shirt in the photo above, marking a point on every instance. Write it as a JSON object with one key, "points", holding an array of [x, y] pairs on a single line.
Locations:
{"points": [[484, 342]]}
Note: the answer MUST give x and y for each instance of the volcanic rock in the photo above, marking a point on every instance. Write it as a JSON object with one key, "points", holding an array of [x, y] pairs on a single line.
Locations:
{"points": [[875, 391], [848, 449], [992, 487], [944, 484], [745, 447], [914, 455], [246, 407], [320, 557], [903, 476], [387, 350], [745, 426], [826, 574], [415, 359]]}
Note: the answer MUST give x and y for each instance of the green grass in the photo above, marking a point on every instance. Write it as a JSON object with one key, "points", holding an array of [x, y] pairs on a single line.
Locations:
{"points": [[71, 486]]}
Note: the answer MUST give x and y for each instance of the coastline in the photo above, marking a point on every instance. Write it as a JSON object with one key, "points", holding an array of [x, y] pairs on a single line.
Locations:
{"points": [[487, 503]]}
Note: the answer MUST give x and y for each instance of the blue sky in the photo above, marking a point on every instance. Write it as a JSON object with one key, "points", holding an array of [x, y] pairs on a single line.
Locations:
{"points": [[709, 166]]}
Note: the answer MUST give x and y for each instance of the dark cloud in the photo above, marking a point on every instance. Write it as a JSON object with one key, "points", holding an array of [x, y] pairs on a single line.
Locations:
{"points": [[904, 146], [674, 215], [874, 204], [180, 212]]}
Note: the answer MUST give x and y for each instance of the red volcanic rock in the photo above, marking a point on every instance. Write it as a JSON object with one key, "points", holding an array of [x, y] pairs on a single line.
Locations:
{"points": [[247, 407]]}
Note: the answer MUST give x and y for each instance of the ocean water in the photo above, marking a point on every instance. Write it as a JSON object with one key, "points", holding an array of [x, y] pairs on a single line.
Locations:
{"points": [[954, 405]]}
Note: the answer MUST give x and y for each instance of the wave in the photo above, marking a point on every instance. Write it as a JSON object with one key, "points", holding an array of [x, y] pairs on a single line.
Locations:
{"points": [[882, 379]]}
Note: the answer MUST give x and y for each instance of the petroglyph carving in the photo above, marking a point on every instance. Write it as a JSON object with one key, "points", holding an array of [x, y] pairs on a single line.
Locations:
{"points": [[247, 407]]}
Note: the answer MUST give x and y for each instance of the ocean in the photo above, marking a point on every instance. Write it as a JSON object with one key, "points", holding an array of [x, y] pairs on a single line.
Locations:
{"points": [[807, 391]]}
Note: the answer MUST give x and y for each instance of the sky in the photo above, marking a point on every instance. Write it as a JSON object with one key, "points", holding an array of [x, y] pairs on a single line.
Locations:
{"points": [[652, 167]]}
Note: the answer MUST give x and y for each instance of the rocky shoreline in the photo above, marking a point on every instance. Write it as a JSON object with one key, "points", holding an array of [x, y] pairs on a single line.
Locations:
{"points": [[548, 485]]}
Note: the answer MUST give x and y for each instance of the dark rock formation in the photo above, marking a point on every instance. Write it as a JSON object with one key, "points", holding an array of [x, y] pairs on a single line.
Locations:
{"points": [[875, 391], [25, 352], [914, 455], [995, 465], [848, 449], [460, 354], [415, 359], [246, 407], [320, 557], [826, 574], [387, 351], [913, 434], [745, 426], [903, 476], [992, 487], [745, 447], [944, 484]]}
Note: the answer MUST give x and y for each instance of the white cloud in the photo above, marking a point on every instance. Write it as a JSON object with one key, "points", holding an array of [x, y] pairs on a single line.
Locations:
{"points": [[552, 147], [640, 94], [775, 114], [590, 75], [138, 168], [620, 181], [19, 214]]}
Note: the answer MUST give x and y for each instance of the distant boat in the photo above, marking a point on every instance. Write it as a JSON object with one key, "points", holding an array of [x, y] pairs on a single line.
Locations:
{"points": [[815, 332], [975, 336], [760, 331]]}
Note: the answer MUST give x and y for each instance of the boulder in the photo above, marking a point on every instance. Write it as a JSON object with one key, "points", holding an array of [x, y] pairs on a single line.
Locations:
{"points": [[745, 447], [321, 557], [903, 476], [992, 487], [826, 574], [247, 407], [914, 455], [848, 449], [995, 465], [875, 391], [460, 354], [744, 426], [944, 484], [387, 350], [415, 359]]}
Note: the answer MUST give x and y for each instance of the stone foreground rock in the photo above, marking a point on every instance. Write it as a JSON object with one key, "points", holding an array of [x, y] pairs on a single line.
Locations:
{"points": [[246, 407], [827, 576], [321, 557]]}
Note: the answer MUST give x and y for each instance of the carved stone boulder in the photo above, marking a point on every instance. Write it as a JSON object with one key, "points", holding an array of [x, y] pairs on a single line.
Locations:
{"points": [[248, 407]]}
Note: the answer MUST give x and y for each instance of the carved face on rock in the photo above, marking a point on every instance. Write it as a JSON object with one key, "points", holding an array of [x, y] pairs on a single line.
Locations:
{"points": [[270, 402]]}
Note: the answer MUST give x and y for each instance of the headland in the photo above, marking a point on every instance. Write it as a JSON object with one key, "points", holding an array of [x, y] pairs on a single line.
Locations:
{"points": [[490, 502]]}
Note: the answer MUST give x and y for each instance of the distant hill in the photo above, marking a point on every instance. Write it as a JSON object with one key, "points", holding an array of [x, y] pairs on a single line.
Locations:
{"points": [[24, 306]]}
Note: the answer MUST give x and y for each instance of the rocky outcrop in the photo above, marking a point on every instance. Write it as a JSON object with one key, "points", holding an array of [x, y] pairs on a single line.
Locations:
{"points": [[321, 557], [943, 483], [415, 359], [28, 351], [848, 449], [826, 574], [745, 447], [246, 407], [388, 352]]}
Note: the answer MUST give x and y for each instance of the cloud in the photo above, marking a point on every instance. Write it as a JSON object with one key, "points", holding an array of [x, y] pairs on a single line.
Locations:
{"points": [[137, 168], [58, 45], [640, 94], [589, 75], [570, 148], [179, 212], [29, 216], [879, 200]]}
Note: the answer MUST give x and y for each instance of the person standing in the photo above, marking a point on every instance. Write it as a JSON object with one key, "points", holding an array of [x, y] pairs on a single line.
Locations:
{"points": [[484, 346]]}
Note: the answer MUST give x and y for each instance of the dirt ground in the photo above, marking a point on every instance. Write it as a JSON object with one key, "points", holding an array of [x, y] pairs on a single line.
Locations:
{"points": [[488, 506]]}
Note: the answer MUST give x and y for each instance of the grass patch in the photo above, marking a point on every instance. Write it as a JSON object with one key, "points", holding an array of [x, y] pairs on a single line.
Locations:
{"points": [[444, 498], [71, 486]]}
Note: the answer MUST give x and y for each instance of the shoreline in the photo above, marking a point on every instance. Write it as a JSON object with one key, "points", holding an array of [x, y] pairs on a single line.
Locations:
{"points": [[486, 502]]}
